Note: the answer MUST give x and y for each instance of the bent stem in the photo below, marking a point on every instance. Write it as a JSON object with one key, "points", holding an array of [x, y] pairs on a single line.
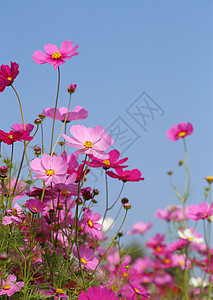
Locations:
{"points": [[22, 116], [56, 103]]}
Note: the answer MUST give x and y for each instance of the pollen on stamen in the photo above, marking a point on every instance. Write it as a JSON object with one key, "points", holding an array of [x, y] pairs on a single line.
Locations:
{"points": [[56, 55], [9, 78], [182, 134], [6, 287], [90, 223], [10, 136], [83, 260], [49, 172], [106, 162], [88, 144]]}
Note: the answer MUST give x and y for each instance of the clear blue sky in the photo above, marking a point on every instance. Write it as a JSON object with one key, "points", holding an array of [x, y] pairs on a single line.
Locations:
{"points": [[163, 48]]}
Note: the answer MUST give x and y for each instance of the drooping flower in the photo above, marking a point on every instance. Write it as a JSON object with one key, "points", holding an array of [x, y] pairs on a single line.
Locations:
{"points": [[52, 169], [140, 228], [78, 113], [14, 215], [88, 260], [127, 175], [10, 286], [13, 136], [90, 140], [8, 74], [55, 56], [98, 293], [179, 131], [112, 162], [201, 211]]}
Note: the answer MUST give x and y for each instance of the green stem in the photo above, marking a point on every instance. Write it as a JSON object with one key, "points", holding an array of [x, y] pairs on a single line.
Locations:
{"points": [[22, 116], [10, 177], [117, 197], [56, 103]]}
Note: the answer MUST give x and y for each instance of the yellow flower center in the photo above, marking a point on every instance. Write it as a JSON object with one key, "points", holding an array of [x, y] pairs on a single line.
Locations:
{"points": [[6, 287], [136, 290], [9, 78], [83, 260], [56, 55], [90, 223], [167, 261], [106, 162], [14, 212], [181, 263], [204, 214], [125, 275], [182, 134], [65, 193], [35, 208], [10, 136], [88, 144], [190, 238], [159, 249], [59, 291], [50, 172]]}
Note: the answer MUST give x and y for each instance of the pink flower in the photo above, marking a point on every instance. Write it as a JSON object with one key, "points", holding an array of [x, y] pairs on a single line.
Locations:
{"points": [[90, 140], [13, 136], [112, 162], [98, 293], [35, 205], [52, 169], [88, 260], [91, 225], [19, 127], [140, 228], [78, 113], [8, 74], [14, 215], [10, 286], [54, 56], [127, 175], [133, 289], [179, 131], [72, 88], [201, 211]]}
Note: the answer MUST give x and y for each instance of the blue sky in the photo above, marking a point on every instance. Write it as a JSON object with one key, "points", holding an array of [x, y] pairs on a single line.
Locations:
{"points": [[162, 48]]}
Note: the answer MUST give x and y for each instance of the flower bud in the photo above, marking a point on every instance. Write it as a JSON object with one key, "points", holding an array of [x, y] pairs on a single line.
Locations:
{"points": [[4, 169], [4, 256], [209, 179], [37, 121], [62, 143], [71, 89], [180, 162], [120, 234], [169, 173], [124, 200], [95, 192], [3, 176], [78, 201], [37, 150], [127, 206], [42, 116]]}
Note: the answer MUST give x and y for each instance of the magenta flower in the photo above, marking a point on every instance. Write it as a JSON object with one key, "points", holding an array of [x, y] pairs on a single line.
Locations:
{"points": [[54, 56], [78, 113], [133, 289], [90, 140], [98, 293], [140, 228], [88, 260], [10, 286], [112, 162], [14, 215], [35, 205], [91, 225], [8, 74], [52, 169], [127, 175], [201, 211], [14, 136], [179, 131], [72, 88], [19, 127]]}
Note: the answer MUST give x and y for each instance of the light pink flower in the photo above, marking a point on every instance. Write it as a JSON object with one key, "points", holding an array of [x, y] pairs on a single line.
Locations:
{"points": [[10, 286], [201, 211], [14, 215], [88, 260], [179, 131], [19, 127], [52, 169], [140, 228], [78, 113], [90, 140], [54, 56], [91, 225]]}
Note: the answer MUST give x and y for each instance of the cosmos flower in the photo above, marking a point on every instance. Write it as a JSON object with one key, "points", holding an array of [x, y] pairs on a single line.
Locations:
{"points": [[8, 74], [179, 131], [88, 260], [127, 175], [78, 113], [201, 211], [10, 286], [19, 127], [14, 215], [140, 228], [98, 293], [13, 136], [90, 140], [55, 56], [52, 169]]}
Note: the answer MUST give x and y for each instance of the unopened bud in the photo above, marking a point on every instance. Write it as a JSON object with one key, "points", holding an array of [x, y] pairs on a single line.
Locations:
{"points": [[4, 256], [61, 143], [127, 206], [120, 234], [71, 89], [124, 200], [37, 121], [37, 150], [3, 176], [209, 179], [4, 169], [169, 173], [95, 192], [42, 116], [180, 162], [78, 201]]}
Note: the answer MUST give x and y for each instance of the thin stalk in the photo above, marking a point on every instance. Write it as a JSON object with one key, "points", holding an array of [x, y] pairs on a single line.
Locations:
{"points": [[22, 115], [10, 177], [117, 197], [56, 103]]}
